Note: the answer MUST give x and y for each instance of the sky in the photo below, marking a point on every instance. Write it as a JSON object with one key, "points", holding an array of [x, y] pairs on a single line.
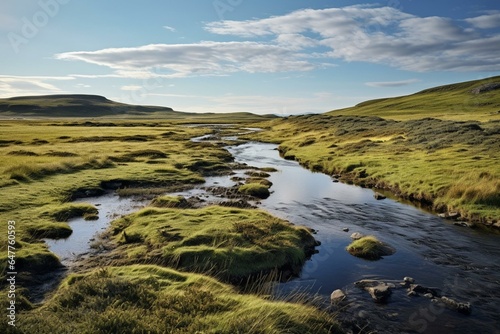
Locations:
{"points": [[261, 56]]}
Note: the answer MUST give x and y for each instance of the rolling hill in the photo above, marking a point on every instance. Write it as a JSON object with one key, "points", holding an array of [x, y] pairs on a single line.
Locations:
{"points": [[85, 106], [477, 100]]}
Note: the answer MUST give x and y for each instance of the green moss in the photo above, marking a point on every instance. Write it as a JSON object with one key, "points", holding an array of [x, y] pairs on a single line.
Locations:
{"points": [[227, 242], [65, 212], [255, 189], [170, 202], [369, 247]]}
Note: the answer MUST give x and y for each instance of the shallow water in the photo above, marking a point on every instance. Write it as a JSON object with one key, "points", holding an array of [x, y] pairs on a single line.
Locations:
{"points": [[110, 207], [462, 263]]}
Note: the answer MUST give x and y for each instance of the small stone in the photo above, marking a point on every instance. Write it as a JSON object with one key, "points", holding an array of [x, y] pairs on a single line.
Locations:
{"points": [[337, 296], [380, 292], [345, 229], [356, 236], [409, 280], [379, 196], [412, 293], [428, 295]]}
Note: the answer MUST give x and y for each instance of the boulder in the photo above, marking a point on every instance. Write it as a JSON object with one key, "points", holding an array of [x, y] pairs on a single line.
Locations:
{"points": [[409, 280], [337, 296], [379, 291], [416, 289]]}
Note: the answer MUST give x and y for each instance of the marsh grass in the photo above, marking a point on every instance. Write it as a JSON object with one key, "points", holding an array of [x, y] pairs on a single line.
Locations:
{"points": [[151, 299], [51, 163]]}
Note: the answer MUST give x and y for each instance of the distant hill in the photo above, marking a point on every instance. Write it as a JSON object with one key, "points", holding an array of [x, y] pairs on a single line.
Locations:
{"points": [[471, 100], [73, 106], [77, 106]]}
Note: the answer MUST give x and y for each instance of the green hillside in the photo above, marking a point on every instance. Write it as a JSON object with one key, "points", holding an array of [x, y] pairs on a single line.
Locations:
{"points": [[477, 100]]}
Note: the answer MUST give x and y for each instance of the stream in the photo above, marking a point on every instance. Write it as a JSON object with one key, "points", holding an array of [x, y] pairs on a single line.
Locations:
{"points": [[460, 263]]}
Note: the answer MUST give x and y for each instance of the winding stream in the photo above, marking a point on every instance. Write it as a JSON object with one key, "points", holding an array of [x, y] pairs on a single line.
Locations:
{"points": [[462, 263]]}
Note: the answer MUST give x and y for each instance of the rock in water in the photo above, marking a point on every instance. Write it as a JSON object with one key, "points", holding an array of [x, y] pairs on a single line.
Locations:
{"points": [[379, 196], [379, 291], [464, 308], [409, 280], [337, 296], [356, 236]]}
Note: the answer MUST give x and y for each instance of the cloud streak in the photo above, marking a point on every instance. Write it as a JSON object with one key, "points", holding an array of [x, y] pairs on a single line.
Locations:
{"points": [[308, 39], [12, 85], [392, 83]]}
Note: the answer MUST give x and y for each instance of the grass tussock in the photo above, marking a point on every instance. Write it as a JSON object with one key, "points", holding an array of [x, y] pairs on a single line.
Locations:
{"points": [[369, 248], [151, 299], [255, 189], [66, 212], [170, 202], [228, 242]]}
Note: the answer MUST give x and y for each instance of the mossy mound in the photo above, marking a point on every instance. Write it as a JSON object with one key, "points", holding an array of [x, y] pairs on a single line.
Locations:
{"points": [[369, 248], [255, 189], [230, 243]]}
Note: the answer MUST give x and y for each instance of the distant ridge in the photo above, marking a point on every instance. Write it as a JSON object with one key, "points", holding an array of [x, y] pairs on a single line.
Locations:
{"points": [[95, 106], [471, 100], [74, 105]]}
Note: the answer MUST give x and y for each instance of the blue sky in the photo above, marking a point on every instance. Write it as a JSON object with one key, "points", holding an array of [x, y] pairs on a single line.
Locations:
{"points": [[274, 56]]}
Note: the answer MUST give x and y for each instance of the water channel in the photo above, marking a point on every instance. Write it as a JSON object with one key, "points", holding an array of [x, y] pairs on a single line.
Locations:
{"points": [[461, 263]]}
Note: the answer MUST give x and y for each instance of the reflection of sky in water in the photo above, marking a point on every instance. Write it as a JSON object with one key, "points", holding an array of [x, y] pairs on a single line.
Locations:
{"points": [[293, 183], [110, 207]]}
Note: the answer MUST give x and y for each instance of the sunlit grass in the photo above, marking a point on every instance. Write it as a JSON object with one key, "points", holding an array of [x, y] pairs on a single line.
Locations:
{"points": [[151, 299], [227, 242]]}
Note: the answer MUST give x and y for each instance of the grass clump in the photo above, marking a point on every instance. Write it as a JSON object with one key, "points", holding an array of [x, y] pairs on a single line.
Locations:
{"points": [[230, 243], [255, 189], [170, 202], [68, 211], [369, 248], [151, 299]]}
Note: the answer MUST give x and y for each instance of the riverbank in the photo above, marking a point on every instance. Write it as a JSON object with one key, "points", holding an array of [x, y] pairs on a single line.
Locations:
{"points": [[447, 166]]}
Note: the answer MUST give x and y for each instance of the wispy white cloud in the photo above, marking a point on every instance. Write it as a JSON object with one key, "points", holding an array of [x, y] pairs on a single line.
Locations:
{"points": [[12, 85], [487, 21], [205, 58], [392, 83], [131, 88], [382, 35], [169, 28], [309, 39]]}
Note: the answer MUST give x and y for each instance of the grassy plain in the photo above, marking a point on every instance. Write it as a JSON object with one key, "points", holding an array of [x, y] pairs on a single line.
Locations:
{"points": [[47, 164]]}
